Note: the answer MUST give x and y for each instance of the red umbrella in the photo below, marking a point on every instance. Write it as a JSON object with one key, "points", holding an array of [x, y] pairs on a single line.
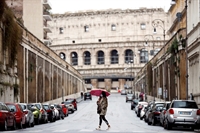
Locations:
{"points": [[97, 92]]}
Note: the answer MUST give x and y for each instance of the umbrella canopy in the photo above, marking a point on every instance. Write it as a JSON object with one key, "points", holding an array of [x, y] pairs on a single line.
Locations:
{"points": [[97, 92]]}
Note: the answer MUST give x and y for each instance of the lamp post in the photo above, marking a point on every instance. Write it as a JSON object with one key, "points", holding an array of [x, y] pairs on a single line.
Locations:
{"points": [[160, 23], [147, 38], [173, 2]]}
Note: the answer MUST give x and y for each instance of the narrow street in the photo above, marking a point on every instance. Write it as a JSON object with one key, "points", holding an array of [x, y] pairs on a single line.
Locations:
{"points": [[120, 116]]}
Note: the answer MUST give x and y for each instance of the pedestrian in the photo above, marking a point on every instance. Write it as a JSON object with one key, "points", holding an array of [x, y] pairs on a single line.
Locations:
{"points": [[81, 95], [102, 104]]}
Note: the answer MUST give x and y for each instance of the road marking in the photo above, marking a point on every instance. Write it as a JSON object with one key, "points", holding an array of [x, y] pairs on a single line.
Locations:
{"points": [[36, 131], [86, 130], [60, 131]]}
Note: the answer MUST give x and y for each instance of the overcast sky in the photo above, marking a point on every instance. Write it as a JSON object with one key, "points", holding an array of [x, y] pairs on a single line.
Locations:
{"points": [[62, 6]]}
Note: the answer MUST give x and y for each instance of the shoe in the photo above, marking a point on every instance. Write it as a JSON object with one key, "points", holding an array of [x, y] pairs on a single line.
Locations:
{"points": [[108, 127], [98, 128]]}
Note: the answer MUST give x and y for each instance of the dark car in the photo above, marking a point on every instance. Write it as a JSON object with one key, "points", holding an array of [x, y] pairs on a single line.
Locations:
{"points": [[72, 101], [154, 113], [134, 103], [7, 118], [87, 95], [28, 114], [50, 112], [19, 114]]}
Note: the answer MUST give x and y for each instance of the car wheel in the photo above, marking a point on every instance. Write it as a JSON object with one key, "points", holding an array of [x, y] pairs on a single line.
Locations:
{"points": [[76, 108], [72, 111], [28, 124], [168, 125], [141, 118], [37, 121], [5, 128], [153, 121], [20, 125], [14, 127], [131, 108], [149, 122], [33, 124]]}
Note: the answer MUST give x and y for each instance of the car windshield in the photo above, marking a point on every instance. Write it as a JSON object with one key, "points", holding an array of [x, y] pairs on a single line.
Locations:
{"points": [[46, 107], [12, 107], [23, 106], [184, 104], [68, 102], [129, 95]]}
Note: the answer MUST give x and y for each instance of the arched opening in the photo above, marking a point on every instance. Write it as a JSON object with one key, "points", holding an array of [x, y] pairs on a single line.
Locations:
{"points": [[87, 58], [100, 57], [114, 57], [74, 59]]}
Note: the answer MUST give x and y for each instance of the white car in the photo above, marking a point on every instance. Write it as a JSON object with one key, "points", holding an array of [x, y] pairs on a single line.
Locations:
{"points": [[142, 112], [139, 107], [57, 115]]}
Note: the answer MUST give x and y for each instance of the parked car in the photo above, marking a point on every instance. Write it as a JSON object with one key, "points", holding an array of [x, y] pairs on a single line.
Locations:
{"points": [[44, 117], [147, 110], [36, 112], [50, 112], [139, 107], [28, 114], [73, 101], [129, 97], [142, 112], [69, 105], [64, 109], [163, 111], [182, 113], [154, 115], [57, 114], [59, 108], [7, 117], [134, 103], [87, 95], [123, 92], [19, 114]]}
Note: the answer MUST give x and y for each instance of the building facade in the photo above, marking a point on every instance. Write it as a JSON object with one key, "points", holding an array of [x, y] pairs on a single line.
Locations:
{"points": [[34, 14], [193, 27], [109, 47]]}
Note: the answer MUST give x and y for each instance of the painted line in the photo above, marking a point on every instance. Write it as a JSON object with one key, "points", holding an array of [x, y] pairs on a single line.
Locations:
{"points": [[60, 131]]}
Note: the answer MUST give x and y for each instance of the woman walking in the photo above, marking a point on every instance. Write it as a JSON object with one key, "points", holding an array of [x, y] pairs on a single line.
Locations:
{"points": [[102, 104]]}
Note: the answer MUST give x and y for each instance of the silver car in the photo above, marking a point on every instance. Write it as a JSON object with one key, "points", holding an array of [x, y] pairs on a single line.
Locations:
{"points": [[182, 113]]}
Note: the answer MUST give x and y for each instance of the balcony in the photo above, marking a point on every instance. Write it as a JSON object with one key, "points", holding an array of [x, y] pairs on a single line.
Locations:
{"points": [[47, 16], [47, 29], [46, 4]]}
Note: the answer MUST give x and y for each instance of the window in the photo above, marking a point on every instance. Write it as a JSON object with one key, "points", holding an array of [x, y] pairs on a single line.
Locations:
{"points": [[73, 41], [62, 56], [99, 40], [128, 56], [86, 28], [100, 57], [143, 56], [114, 57], [113, 27], [142, 26], [74, 59], [61, 30], [87, 58]]}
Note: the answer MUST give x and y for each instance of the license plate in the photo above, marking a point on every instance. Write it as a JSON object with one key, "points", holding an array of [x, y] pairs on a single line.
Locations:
{"points": [[184, 113]]}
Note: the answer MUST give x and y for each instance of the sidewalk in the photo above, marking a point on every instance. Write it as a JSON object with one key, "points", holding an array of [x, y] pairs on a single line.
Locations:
{"points": [[78, 100]]}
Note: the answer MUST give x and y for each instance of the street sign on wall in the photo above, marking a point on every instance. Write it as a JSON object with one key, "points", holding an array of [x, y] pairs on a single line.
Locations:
{"points": [[160, 91]]}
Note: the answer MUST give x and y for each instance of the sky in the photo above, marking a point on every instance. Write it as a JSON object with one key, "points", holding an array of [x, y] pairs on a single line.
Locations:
{"points": [[62, 6]]}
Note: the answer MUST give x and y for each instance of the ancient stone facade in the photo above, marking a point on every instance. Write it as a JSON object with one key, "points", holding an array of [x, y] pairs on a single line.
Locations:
{"points": [[108, 47]]}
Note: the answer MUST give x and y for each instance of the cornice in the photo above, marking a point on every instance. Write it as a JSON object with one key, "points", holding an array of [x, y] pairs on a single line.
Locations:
{"points": [[109, 12]]}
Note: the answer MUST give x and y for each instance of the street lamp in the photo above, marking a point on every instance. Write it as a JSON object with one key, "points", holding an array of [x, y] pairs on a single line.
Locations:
{"points": [[160, 23], [147, 38]]}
